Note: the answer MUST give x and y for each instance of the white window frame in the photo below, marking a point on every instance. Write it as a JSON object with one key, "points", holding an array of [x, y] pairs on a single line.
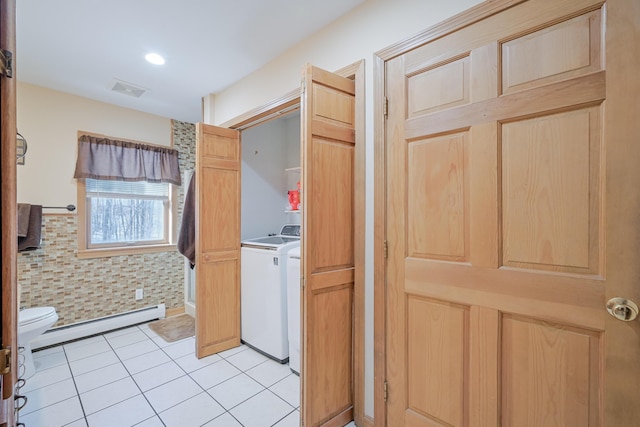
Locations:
{"points": [[85, 250]]}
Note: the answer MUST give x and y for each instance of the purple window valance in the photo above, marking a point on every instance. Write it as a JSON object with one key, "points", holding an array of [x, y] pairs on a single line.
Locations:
{"points": [[103, 158]]}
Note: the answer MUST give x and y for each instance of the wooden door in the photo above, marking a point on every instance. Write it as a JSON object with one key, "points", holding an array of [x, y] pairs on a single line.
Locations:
{"points": [[512, 217], [8, 213], [218, 239], [328, 155]]}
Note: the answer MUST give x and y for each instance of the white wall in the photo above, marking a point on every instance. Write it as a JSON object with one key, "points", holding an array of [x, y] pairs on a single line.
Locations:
{"points": [[371, 27], [267, 150], [50, 120]]}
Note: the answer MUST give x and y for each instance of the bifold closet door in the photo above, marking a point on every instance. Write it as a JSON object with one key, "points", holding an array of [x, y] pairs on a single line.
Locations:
{"points": [[328, 155], [218, 239]]}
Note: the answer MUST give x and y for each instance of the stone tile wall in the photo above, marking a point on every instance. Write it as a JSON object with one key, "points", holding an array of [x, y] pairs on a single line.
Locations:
{"points": [[84, 289]]}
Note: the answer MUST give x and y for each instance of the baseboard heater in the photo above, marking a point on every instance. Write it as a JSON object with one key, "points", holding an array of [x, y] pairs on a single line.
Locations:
{"points": [[100, 325]]}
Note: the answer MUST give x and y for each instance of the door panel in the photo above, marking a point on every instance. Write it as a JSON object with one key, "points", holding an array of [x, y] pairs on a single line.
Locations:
{"points": [[218, 241], [8, 215], [328, 150], [499, 189]]}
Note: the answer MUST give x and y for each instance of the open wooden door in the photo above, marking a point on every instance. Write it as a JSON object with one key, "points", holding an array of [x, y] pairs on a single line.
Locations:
{"points": [[513, 216], [328, 155], [8, 213], [218, 239]]}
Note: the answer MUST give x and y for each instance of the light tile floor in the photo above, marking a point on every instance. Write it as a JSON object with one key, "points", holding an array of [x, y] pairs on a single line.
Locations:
{"points": [[132, 377]]}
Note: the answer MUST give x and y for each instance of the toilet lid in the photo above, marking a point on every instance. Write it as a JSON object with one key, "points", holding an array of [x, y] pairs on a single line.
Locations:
{"points": [[29, 315]]}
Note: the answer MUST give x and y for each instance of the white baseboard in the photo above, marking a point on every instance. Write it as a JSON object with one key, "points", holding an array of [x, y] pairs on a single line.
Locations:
{"points": [[96, 326]]}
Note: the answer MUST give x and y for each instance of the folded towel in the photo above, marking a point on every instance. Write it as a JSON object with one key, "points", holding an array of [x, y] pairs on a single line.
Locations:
{"points": [[23, 219], [187, 234], [32, 240]]}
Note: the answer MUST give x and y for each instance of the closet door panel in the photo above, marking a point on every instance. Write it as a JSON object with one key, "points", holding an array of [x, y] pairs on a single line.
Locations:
{"points": [[328, 156], [217, 239]]}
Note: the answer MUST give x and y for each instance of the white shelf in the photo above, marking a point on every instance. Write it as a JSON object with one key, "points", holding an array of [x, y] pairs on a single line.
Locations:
{"points": [[290, 211], [296, 169]]}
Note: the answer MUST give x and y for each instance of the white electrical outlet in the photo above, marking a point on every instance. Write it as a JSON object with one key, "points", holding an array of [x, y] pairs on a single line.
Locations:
{"points": [[139, 294]]}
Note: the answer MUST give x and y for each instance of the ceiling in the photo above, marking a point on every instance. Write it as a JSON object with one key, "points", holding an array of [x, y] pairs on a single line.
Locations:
{"points": [[82, 46]]}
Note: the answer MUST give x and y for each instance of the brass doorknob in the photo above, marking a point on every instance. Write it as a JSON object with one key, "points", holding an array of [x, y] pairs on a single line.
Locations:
{"points": [[622, 309]]}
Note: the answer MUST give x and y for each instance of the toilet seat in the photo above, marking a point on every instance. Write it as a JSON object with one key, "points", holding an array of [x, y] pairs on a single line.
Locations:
{"points": [[36, 314]]}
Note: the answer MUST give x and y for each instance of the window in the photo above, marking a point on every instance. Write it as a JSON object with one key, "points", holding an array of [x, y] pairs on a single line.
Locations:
{"points": [[125, 193], [122, 213]]}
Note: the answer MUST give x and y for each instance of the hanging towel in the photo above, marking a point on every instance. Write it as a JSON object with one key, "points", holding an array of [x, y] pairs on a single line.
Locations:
{"points": [[23, 219], [32, 240], [187, 235]]}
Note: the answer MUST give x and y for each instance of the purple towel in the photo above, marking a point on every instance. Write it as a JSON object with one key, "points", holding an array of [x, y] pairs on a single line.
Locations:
{"points": [[187, 234], [32, 240]]}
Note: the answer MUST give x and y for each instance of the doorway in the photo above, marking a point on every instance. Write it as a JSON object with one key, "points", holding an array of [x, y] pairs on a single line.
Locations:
{"points": [[333, 122]]}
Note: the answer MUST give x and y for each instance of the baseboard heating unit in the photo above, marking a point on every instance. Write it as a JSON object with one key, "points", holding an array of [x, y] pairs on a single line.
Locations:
{"points": [[100, 325]]}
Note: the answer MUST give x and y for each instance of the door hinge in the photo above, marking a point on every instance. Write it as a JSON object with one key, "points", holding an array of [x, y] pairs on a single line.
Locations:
{"points": [[386, 395], [6, 63], [303, 282], [385, 106], [386, 249], [5, 360]]}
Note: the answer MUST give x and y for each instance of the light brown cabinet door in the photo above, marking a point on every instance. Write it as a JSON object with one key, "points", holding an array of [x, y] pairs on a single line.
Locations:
{"points": [[218, 239], [328, 150], [512, 217]]}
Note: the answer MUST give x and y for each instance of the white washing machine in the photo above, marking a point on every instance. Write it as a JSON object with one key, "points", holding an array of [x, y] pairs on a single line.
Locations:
{"points": [[293, 308], [263, 292]]}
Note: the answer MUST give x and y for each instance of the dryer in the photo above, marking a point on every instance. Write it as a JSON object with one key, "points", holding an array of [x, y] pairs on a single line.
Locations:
{"points": [[263, 292]]}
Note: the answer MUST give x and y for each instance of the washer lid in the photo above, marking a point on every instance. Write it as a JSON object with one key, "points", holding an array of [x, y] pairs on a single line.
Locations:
{"points": [[29, 315]]}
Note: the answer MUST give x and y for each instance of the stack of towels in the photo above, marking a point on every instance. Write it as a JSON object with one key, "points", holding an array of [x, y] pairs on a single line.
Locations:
{"points": [[29, 226]]}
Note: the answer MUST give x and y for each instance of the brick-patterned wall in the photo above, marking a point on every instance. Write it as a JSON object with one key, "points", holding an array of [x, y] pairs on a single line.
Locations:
{"points": [[84, 289]]}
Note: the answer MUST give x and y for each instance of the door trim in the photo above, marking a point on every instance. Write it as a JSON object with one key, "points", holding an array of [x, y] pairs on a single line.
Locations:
{"points": [[468, 17], [289, 102]]}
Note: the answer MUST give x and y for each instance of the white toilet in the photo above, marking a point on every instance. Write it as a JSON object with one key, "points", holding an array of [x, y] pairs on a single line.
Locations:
{"points": [[33, 322]]}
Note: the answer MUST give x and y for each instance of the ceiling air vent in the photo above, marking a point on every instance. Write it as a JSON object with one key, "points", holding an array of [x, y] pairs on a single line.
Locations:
{"points": [[127, 88]]}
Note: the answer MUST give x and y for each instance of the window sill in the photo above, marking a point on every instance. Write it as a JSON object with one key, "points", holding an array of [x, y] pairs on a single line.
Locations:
{"points": [[132, 250]]}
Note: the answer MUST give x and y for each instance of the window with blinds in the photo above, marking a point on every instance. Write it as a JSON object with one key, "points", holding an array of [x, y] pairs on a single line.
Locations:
{"points": [[122, 213]]}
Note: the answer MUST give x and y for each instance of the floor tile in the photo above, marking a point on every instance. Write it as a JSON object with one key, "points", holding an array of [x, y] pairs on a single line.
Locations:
{"points": [[45, 396], [85, 341], [233, 351], [269, 372], [127, 413], [92, 363], [79, 423], [133, 350], [131, 338], [170, 394], [181, 348], [291, 420], [190, 362], [288, 389], [193, 412], [159, 375], [49, 360], [224, 420], [146, 361], [235, 391], [100, 377], [263, 409], [46, 377], [56, 415], [107, 395], [119, 332], [214, 374], [87, 350], [151, 422], [246, 359]]}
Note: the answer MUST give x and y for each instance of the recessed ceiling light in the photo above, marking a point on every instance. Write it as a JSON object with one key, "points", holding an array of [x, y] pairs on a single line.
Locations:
{"points": [[154, 58]]}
